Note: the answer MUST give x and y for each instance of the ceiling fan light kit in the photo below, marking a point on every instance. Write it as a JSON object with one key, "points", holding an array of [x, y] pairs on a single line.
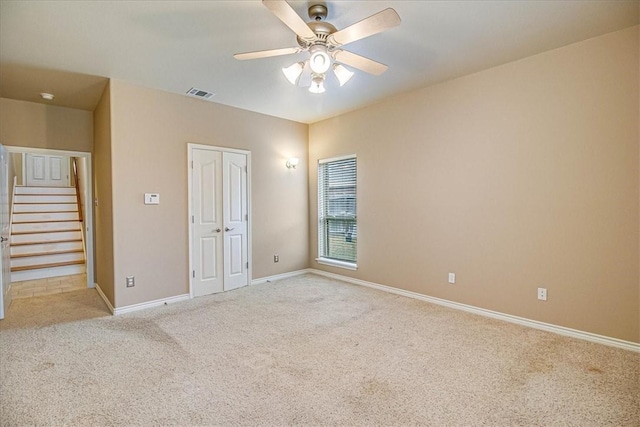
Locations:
{"points": [[293, 72], [324, 43], [342, 74], [317, 83], [319, 60]]}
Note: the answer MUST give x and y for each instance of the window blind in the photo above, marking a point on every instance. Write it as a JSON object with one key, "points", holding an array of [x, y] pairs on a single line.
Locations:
{"points": [[337, 203]]}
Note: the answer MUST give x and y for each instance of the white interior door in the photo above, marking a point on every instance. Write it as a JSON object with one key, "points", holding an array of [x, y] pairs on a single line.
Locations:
{"points": [[45, 170], [206, 251], [5, 275], [219, 222], [235, 216]]}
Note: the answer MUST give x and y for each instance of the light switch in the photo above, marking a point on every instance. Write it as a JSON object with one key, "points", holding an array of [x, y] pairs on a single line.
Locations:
{"points": [[151, 198]]}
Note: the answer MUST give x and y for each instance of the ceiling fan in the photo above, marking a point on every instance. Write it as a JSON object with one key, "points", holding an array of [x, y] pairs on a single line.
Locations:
{"points": [[324, 43]]}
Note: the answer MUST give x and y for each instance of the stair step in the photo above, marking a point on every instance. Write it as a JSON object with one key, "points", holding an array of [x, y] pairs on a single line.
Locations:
{"points": [[42, 273], [45, 253], [21, 233], [45, 190], [37, 261], [17, 245], [39, 227], [55, 236], [19, 218], [45, 198], [43, 266], [50, 247], [44, 207], [46, 233]]}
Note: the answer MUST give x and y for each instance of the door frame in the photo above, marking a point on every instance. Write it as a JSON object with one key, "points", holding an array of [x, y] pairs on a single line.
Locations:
{"points": [[88, 213], [5, 297], [193, 146]]}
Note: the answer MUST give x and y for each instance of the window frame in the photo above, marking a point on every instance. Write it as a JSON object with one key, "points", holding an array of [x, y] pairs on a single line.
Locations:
{"points": [[322, 258]]}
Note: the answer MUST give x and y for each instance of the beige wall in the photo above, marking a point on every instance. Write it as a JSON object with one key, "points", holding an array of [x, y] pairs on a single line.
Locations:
{"points": [[150, 132], [102, 183], [28, 124], [514, 178], [16, 165]]}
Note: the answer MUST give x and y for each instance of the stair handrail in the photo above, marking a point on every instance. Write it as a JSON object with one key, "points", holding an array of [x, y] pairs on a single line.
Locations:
{"points": [[76, 180], [13, 202]]}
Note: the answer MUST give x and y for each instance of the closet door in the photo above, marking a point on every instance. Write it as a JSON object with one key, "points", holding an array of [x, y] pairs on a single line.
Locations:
{"points": [[219, 221], [206, 251], [235, 219]]}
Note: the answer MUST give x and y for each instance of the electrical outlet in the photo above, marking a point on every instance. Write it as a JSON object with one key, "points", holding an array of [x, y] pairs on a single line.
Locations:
{"points": [[276, 258], [452, 278], [542, 294], [131, 281]]}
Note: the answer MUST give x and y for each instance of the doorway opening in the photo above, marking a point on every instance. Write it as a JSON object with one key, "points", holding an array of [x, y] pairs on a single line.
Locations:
{"points": [[51, 220]]}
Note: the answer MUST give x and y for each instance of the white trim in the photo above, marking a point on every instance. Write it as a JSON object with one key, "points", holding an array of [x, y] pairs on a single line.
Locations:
{"points": [[190, 147], [32, 150], [337, 263], [560, 330], [280, 276], [150, 304], [193, 145], [104, 297], [335, 159]]}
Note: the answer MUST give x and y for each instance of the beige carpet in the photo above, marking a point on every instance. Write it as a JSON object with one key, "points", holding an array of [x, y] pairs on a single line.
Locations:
{"points": [[302, 351]]}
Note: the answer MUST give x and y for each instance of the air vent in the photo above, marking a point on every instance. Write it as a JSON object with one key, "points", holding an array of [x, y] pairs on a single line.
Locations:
{"points": [[199, 93]]}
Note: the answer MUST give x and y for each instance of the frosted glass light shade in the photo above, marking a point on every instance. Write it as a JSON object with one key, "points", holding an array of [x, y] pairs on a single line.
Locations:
{"points": [[293, 72], [342, 73], [317, 84], [320, 61]]}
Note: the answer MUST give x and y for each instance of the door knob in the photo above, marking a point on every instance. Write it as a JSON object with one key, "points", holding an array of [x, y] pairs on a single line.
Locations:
{"points": [[3, 239], [228, 229], [217, 230]]}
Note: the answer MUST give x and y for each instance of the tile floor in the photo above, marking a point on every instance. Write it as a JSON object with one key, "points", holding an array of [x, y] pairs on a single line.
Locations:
{"points": [[48, 286]]}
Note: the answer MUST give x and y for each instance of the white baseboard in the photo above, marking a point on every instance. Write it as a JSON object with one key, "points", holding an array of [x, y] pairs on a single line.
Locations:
{"points": [[280, 276], [104, 298], [560, 330], [149, 304], [141, 306]]}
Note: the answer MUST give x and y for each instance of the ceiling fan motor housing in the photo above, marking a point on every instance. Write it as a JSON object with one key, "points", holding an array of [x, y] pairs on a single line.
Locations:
{"points": [[322, 30], [318, 12]]}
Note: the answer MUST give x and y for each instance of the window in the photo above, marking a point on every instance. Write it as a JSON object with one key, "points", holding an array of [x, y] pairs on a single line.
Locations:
{"points": [[337, 203]]}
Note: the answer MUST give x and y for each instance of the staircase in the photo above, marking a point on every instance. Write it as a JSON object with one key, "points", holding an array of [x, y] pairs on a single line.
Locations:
{"points": [[46, 233]]}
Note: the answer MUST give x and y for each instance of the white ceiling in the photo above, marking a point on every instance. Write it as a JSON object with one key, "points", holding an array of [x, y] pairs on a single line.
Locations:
{"points": [[176, 45]]}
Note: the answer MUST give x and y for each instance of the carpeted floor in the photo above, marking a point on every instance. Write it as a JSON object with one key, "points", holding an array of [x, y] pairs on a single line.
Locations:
{"points": [[301, 351]]}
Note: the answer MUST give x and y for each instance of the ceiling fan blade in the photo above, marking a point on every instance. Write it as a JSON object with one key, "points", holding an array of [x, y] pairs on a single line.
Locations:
{"points": [[374, 24], [360, 62], [266, 53], [291, 19]]}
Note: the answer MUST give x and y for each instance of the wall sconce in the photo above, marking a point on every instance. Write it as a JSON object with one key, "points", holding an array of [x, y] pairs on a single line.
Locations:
{"points": [[292, 162]]}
